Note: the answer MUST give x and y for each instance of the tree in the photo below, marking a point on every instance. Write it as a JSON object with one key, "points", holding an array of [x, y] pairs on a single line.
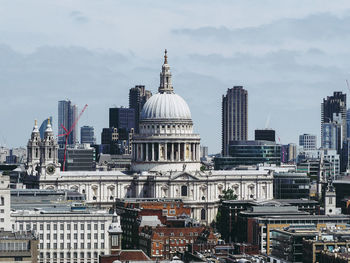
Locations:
{"points": [[228, 194]]}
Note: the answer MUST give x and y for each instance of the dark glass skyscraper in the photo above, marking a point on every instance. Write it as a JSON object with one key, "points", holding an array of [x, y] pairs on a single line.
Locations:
{"points": [[234, 117], [334, 104], [137, 98], [87, 135], [67, 113], [122, 118]]}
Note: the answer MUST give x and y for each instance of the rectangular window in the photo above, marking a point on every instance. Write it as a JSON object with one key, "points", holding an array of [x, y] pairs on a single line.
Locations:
{"points": [[75, 236], [82, 245], [48, 227], [102, 236], [82, 236], [89, 226], [41, 227], [95, 226], [82, 227], [55, 227], [102, 226], [95, 246], [75, 226], [68, 226], [61, 236], [61, 226], [62, 246]]}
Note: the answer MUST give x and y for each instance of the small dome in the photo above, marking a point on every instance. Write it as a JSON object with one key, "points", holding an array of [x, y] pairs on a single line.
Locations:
{"points": [[166, 106]]}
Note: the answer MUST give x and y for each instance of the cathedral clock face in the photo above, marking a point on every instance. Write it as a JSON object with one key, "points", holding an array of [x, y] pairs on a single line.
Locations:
{"points": [[50, 169]]}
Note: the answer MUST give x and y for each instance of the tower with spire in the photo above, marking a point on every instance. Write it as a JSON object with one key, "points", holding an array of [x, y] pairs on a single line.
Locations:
{"points": [[42, 154], [115, 235], [166, 85], [33, 151], [49, 152]]}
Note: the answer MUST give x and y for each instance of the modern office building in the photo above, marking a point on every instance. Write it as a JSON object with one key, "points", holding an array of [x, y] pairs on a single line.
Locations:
{"points": [[18, 247], [234, 117], [117, 141], [87, 135], [265, 135], [204, 151], [348, 123], [249, 153], [122, 118], [67, 114], [138, 96], [308, 142], [291, 185], [5, 201], [43, 127], [334, 104], [80, 157], [289, 153], [65, 235], [332, 136]]}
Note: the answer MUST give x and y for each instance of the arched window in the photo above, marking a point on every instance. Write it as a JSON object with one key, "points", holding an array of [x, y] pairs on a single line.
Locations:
{"points": [[50, 153], [203, 214], [184, 190]]}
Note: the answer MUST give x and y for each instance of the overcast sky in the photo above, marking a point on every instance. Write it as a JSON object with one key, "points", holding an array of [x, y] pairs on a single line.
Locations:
{"points": [[287, 54]]}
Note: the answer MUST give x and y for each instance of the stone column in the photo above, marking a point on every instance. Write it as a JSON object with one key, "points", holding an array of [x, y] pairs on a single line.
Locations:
{"points": [[159, 150], [142, 158], [178, 152], [147, 152], [166, 151], [152, 151], [172, 152], [192, 152], [184, 151], [197, 152]]}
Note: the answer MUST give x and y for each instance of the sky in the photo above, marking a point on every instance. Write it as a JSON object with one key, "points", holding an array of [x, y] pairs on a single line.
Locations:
{"points": [[288, 55]]}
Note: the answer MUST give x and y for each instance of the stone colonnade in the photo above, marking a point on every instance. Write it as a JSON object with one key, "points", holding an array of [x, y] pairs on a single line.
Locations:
{"points": [[167, 151]]}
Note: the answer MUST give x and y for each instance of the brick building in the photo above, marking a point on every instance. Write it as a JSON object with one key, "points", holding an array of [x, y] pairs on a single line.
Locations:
{"points": [[163, 242], [131, 211]]}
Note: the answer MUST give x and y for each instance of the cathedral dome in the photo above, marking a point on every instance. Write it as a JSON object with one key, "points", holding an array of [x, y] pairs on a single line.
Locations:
{"points": [[166, 106]]}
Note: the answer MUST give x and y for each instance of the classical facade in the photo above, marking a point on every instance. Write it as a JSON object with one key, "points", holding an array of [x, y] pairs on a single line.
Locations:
{"points": [[166, 164]]}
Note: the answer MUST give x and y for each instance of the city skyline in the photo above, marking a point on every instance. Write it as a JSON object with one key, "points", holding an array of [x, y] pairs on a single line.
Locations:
{"points": [[286, 74]]}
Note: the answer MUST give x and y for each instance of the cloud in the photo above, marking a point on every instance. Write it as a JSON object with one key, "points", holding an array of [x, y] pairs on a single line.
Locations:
{"points": [[79, 17], [324, 27]]}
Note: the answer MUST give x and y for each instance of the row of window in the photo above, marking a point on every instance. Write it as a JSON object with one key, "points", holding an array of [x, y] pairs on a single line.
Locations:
{"points": [[69, 255], [61, 226], [75, 236], [69, 246]]}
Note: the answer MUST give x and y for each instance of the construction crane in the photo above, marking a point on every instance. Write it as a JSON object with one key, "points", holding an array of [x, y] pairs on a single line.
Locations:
{"points": [[67, 133]]}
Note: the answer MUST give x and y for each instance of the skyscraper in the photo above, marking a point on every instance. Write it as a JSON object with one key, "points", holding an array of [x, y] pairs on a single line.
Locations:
{"points": [[308, 141], [67, 113], [87, 135], [332, 137], [137, 98], [234, 117], [334, 104], [43, 127], [122, 118]]}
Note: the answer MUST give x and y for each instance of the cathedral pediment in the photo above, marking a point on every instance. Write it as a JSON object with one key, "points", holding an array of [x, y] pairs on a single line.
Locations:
{"points": [[184, 176]]}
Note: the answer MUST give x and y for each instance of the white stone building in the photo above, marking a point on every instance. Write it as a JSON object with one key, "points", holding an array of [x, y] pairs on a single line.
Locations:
{"points": [[166, 163], [5, 203], [66, 236]]}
